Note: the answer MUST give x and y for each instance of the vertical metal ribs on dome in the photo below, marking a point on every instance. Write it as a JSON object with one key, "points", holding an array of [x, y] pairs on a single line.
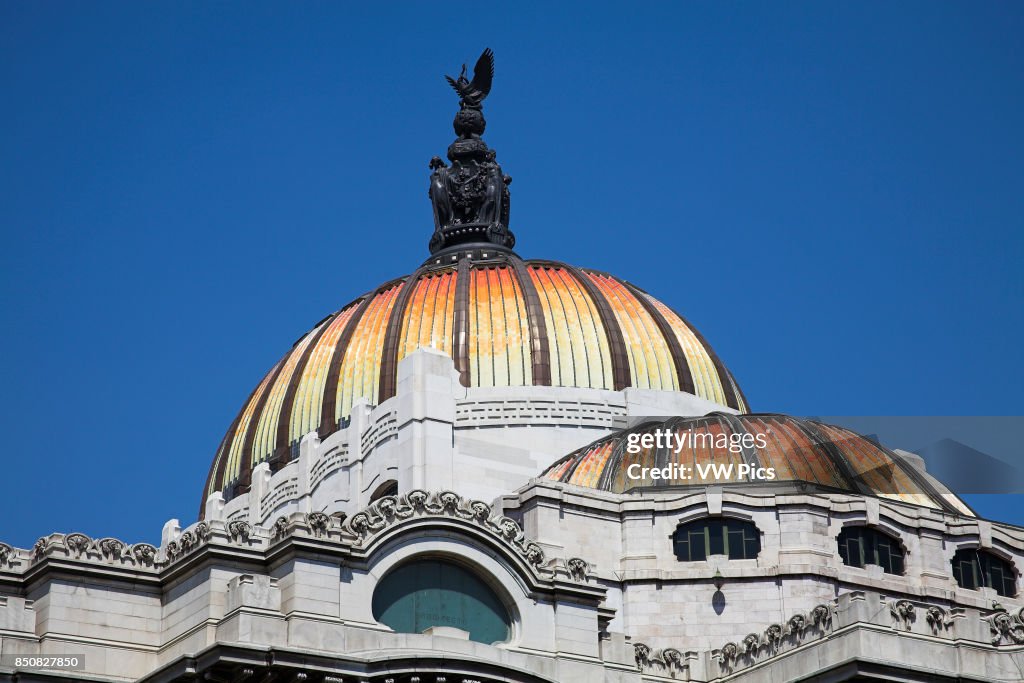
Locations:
{"points": [[540, 351], [460, 326], [245, 473], [389, 357], [328, 421], [678, 357], [723, 374], [504, 321], [804, 453], [282, 446], [616, 344]]}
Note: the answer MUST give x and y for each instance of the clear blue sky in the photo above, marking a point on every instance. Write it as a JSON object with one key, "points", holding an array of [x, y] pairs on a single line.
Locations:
{"points": [[832, 192]]}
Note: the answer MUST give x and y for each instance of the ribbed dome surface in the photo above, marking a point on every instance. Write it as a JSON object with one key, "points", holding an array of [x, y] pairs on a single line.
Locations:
{"points": [[505, 321], [827, 457]]}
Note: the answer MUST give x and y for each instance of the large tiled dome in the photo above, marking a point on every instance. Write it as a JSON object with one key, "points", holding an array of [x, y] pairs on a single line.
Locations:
{"points": [[504, 320]]}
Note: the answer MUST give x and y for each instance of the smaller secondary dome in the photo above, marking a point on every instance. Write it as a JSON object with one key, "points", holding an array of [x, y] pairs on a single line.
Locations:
{"points": [[504, 321], [812, 454]]}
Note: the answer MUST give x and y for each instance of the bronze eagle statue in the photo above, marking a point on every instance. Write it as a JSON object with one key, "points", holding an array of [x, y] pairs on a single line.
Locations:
{"points": [[472, 93]]}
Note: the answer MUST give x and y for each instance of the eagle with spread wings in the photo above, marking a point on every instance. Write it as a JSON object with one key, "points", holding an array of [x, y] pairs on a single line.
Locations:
{"points": [[472, 93]]}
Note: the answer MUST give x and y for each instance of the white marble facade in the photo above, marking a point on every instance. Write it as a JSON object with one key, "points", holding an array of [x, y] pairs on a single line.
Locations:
{"points": [[276, 584]]}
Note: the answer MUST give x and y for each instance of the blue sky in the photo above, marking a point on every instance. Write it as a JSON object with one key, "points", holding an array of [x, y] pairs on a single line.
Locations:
{"points": [[832, 192]]}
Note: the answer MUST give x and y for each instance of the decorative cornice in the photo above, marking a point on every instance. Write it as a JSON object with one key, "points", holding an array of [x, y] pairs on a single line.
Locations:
{"points": [[757, 647], [390, 510], [668, 660], [78, 546]]}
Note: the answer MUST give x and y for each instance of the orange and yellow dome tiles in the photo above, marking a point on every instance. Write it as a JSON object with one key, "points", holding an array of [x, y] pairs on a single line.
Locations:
{"points": [[710, 449], [504, 321]]}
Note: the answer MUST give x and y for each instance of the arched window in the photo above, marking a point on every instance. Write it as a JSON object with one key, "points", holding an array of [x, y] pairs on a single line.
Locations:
{"points": [[974, 569], [388, 488], [736, 538], [861, 545], [428, 593]]}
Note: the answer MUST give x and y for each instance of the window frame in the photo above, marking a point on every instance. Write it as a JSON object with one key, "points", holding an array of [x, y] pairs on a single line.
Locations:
{"points": [[983, 570], [868, 538], [732, 533]]}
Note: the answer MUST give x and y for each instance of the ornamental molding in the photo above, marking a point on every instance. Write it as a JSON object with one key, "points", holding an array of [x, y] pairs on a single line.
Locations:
{"points": [[659, 662], [391, 510], [355, 534], [7, 555], [78, 546], [366, 527], [903, 613], [1006, 628], [577, 568], [756, 647]]}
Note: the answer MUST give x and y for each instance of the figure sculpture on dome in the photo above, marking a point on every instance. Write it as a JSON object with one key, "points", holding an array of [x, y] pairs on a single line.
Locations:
{"points": [[470, 197]]}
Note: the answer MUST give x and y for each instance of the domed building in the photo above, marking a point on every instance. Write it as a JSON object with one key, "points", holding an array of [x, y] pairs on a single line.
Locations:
{"points": [[497, 469]]}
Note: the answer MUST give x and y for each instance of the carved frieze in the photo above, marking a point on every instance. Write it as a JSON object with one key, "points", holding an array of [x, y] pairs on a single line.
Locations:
{"points": [[756, 646], [390, 510]]}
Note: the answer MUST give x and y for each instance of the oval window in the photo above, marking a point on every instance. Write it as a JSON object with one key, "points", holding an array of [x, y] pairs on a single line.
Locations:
{"points": [[429, 593]]}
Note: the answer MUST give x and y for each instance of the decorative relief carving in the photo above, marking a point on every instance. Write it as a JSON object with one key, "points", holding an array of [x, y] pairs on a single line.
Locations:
{"points": [[39, 550], [239, 531], [577, 569], [281, 528], [81, 547], [1007, 629], [393, 509], [821, 616], [192, 539], [77, 544], [187, 541], [642, 654], [755, 646], [673, 659], [318, 523], [172, 551], [937, 618], [773, 636], [6, 555], [111, 548], [902, 613], [144, 553]]}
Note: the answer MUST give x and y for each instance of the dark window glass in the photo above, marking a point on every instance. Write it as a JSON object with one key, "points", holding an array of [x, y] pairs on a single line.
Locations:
{"points": [[860, 545], [974, 569], [428, 593], [388, 488], [733, 537]]}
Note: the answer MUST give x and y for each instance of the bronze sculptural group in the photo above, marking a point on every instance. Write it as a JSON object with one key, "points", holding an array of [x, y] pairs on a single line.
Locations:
{"points": [[470, 197]]}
